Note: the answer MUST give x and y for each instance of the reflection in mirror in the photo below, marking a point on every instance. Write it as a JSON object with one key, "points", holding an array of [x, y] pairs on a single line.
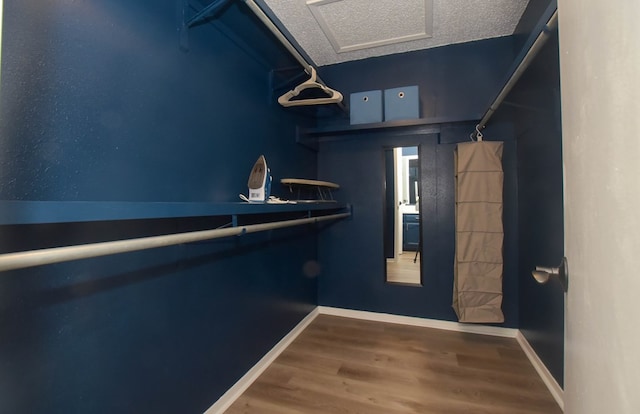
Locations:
{"points": [[402, 241]]}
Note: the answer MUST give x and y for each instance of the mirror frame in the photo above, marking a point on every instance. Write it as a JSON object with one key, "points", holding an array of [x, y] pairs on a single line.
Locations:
{"points": [[386, 214]]}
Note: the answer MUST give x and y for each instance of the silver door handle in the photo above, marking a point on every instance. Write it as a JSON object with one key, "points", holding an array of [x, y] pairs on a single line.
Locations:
{"points": [[542, 273]]}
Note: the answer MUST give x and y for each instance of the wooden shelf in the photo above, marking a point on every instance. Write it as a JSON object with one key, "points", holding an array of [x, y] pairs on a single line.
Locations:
{"points": [[312, 136], [40, 212], [350, 129]]}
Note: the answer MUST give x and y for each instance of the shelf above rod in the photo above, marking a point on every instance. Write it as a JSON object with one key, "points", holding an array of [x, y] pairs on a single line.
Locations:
{"points": [[48, 212], [350, 129], [21, 260]]}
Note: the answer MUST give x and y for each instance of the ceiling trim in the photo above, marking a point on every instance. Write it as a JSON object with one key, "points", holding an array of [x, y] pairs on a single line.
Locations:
{"points": [[341, 45]]}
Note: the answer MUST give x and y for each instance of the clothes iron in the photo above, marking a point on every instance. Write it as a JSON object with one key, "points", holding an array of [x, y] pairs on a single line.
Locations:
{"points": [[259, 181]]}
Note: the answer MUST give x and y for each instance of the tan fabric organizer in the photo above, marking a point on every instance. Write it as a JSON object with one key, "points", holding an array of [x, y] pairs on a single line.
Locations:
{"points": [[477, 288]]}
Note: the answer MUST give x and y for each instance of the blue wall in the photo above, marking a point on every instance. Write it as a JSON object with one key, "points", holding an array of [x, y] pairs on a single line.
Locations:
{"points": [[455, 81], [533, 107], [99, 103]]}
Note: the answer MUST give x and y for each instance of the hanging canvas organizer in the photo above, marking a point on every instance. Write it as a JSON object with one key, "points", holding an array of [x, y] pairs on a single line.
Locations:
{"points": [[478, 268]]}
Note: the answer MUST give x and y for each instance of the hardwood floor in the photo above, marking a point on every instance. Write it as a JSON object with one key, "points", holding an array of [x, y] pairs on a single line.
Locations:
{"points": [[404, 270], [341, 365]]}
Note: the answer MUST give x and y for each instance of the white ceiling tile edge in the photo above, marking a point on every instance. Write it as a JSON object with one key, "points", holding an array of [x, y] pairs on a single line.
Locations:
{"points": [[371, 27], [454, 21]]}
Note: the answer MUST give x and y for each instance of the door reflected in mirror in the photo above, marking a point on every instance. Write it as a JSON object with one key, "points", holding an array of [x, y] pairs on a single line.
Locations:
{"points": [[402, 236]]}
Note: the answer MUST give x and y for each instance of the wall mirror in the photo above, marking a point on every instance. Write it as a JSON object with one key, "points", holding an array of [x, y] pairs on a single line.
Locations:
{"points": [[402, 235]]}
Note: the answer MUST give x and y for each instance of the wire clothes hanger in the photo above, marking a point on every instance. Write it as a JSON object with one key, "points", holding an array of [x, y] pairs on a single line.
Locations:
{"points": [[333, 96], [313, 82]]}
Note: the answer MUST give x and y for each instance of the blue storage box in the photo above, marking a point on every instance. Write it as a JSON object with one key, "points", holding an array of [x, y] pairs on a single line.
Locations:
{"points": [[401, 103], [366, 107]]}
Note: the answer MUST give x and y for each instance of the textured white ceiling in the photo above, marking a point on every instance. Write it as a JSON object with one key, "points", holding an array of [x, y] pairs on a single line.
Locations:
{"points": [[347, 24], [334, 31]]}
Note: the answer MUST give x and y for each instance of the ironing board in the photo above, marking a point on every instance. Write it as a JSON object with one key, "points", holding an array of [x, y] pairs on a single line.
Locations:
{"points": [[310, 191]]}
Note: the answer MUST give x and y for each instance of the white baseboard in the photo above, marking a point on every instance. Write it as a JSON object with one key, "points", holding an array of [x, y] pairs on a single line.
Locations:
{"points": [[551, 383], [422, 322], [247, 379]]}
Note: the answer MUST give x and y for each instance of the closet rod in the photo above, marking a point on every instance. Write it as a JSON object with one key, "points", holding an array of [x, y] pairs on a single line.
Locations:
{"points": [[207, 12], [12, 261], [278, 34], [285, 42], [533, 51]]}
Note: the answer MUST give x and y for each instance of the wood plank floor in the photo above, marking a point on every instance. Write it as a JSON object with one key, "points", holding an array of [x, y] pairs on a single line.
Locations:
{"points": [[341, 365]]}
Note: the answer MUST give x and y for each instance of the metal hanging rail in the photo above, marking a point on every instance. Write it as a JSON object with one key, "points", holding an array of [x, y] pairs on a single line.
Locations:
{"points": [[207, 12], [533, 51], [278, 34], [210, 11], [311, 71], [12, 261]]}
